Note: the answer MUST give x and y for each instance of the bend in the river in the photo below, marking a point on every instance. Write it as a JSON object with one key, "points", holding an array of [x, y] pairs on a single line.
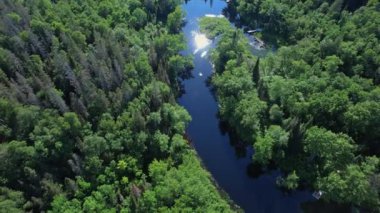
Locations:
{"points": [[211, 143]]}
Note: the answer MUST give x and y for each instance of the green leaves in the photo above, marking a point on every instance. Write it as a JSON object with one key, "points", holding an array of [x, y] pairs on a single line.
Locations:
{"points": [[320, 85], [175, 20], [56, 138], [188, 183], [363, 118], [271, 146], [87, 93], [248, 114], [291, 181], [332, 63], [139, 18], [11, 201], [335, 150], [15, 156], [214, 26], [351, 185]]}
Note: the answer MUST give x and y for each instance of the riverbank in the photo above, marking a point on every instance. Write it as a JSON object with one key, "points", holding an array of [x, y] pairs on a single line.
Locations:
{"points": [[296, 108], [235, 207], [212, 144]]}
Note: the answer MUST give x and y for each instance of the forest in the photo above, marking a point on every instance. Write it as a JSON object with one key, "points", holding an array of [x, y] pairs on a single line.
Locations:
{"points": [[90, 117], [312, 106], [88, 114]]}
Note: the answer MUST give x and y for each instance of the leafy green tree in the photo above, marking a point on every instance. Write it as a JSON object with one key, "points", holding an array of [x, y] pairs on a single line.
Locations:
{"points": [[11, 201], [188, 182], [139, 18], [352, 184], [362, 119], [61, 204], [271, 146], [56, 138], [335, 151], [332, 63], [175, 20], [214, 26], [276, 114], [16, 157], [249, 115], [178, 66], [291, 181]]}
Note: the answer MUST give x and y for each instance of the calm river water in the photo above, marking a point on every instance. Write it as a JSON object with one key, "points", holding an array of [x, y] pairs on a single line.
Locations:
{"points": [[213, 145]]}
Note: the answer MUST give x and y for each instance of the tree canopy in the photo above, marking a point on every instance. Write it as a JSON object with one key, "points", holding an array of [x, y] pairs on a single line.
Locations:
{"points": [[311, 107], [88, 118]]}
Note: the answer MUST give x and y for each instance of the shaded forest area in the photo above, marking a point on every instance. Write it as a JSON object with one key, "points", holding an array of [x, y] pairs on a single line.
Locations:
{"points": [[312, 107], [88, 118]]}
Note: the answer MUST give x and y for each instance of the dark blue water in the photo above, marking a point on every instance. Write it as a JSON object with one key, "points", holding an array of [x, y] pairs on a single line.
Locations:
{"points": [[218, 155]]}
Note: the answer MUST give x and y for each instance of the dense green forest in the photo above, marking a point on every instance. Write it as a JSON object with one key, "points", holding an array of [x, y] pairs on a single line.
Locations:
{"points": [[88, 118], [311, 107]]}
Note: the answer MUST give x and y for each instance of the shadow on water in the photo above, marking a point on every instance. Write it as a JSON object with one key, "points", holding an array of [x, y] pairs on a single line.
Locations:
{"points": [[319, 206], [239, 146]]}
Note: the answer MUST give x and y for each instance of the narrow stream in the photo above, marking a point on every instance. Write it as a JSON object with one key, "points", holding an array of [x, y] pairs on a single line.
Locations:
{"points": [[212, 144]]}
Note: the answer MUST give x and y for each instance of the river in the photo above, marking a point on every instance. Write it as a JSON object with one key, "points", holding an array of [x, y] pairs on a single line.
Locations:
{"points": [[213, 145]]}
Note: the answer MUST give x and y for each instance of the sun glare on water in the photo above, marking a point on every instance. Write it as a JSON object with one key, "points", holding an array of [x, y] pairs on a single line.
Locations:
{"points": [[201, 41]]}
